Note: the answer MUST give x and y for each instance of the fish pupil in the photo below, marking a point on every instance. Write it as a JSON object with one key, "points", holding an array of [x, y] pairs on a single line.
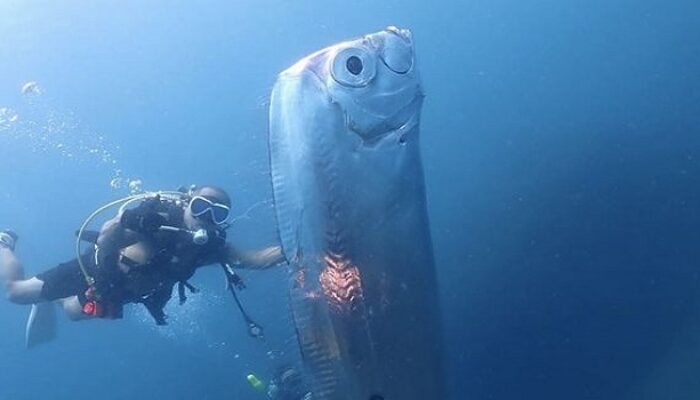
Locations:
{"points": [[354, 65]]}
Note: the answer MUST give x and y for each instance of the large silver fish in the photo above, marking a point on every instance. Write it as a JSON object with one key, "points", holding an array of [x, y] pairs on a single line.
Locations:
{"points": [[350, 202]]}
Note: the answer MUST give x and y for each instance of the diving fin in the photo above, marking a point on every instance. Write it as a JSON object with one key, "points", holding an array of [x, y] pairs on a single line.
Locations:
{"points": [[41, 324]]}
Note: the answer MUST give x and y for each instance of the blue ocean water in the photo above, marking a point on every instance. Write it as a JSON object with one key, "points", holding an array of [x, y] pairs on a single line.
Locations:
{"points": [[561, 142]]}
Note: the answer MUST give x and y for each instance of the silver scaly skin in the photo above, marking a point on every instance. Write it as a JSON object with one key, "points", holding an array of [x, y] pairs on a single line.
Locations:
{"points": [[351, 209]]}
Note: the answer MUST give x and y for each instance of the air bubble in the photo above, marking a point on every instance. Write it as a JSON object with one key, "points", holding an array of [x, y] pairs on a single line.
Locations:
{"points": [[135, 186], [7, 118], [31, 88]]}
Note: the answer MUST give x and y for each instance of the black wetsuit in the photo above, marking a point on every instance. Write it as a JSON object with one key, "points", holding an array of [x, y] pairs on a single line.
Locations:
{"points": [[66, 279], [151, 284]]}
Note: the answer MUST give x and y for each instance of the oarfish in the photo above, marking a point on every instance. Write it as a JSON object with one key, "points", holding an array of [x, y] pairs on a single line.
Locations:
{"points": [[349, 197]]}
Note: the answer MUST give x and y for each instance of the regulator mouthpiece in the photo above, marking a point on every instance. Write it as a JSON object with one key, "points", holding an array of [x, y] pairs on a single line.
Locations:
{"points": [[200, 237]]}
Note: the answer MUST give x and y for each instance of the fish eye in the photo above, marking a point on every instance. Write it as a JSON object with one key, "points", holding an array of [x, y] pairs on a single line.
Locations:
{"points": [[354, 66]]}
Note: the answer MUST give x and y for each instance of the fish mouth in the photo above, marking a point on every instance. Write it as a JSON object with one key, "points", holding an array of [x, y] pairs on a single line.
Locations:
{"points": [[373, 119], [395, 126], [388, 62]]}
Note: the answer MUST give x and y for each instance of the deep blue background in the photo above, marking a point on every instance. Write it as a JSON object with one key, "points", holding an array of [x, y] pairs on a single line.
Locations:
{"points": [[561, 141]]}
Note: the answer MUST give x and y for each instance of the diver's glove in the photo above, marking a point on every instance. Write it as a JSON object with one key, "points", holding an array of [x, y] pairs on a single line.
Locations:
{"points": [[8, 239], [142, 220]]}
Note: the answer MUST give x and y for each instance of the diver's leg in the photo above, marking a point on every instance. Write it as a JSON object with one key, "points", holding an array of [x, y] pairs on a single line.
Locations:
{"points": [[10, 267], [25, 292], [18, 290]]}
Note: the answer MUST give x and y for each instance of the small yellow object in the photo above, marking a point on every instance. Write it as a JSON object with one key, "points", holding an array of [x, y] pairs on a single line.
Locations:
{"points": [[255, 382]]}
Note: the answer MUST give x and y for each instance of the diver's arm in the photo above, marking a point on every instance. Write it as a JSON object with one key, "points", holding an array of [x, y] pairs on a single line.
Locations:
{"points": [[114, 236], [258, 259], [111, 236], [129, 226]]}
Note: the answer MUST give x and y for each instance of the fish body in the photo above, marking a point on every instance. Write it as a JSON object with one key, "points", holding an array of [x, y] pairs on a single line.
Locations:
{"points": [[350, 202]]}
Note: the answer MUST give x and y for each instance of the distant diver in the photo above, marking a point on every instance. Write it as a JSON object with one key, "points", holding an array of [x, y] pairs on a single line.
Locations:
{"points": [[287, 383], [138, 256]]}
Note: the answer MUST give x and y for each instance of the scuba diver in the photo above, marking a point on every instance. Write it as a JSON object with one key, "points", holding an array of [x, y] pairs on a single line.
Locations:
{"points": [[138, 256], [287, 384]]}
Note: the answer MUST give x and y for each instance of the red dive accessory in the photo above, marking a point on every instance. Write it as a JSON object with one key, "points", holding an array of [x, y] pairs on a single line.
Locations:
{"points": [[94, 307]]}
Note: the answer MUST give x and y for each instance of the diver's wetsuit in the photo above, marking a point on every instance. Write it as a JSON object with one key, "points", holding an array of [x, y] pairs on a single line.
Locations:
{"points": [[151, 284], [66, 279]]}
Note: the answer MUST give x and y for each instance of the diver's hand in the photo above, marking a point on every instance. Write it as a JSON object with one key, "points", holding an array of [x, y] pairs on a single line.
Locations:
{"points": [[147, 221]]}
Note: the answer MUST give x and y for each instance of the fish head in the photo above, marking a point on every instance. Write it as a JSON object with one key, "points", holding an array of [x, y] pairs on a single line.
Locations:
{"points": [[373, 80]]}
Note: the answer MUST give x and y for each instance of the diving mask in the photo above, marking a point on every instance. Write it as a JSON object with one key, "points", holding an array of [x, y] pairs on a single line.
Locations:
{"points": [[200, 205]]}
